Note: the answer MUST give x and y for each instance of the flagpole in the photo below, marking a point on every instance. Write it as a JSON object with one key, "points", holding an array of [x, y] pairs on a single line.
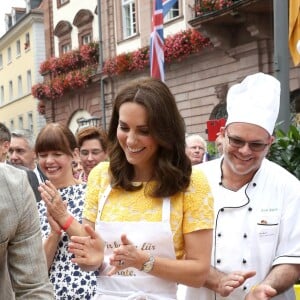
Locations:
{"points": [[281, 59]]}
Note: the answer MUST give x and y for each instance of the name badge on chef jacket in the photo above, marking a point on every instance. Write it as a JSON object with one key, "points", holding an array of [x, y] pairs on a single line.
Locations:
{"points": [[268, 224]]}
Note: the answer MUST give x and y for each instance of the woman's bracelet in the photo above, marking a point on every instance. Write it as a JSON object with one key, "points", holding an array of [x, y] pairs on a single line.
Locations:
{"points": [[68, 223]]}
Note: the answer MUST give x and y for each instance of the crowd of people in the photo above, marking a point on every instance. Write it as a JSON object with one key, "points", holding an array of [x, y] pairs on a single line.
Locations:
{"points": [[147, 215]]}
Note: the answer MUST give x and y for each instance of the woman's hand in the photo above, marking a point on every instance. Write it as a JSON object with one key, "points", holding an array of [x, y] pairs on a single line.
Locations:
{"points": [[55, 205], [127, 256], [88, 250], [55, 227]]}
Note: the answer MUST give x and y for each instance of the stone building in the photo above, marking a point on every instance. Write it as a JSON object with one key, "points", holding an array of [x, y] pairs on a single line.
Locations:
{"points": [[241, 43]]}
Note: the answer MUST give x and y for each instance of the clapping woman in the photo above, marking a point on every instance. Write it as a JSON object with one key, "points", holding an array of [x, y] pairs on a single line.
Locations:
{"points": [[55, 146], [148, 218]]}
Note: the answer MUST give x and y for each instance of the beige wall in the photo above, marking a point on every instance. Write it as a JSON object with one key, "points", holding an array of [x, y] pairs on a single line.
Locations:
{"points": [[22, 105]]}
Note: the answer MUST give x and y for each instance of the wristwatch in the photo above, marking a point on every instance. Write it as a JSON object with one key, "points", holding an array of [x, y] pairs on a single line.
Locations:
{"points": [[148, 265]]}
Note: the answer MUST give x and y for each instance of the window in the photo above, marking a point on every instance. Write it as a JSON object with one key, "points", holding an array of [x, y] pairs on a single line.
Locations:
{"points": [[9, 55], [172, 13], [11, 92], [12, 125], [20, 89], [29, 82], [27, 41], [2, 95], [21, 122], [128, 18], [65, 48], [18, 48], [63, 32], [1, 61], [60, 3], [30, 121], [86, 39], [83, 20]]}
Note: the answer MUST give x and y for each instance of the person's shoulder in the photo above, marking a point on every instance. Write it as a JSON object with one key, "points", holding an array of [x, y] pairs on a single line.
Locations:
{"points": [[9, 169], [208, 165], [270, 168], [101, 167], [99, 170], [11, 177]]}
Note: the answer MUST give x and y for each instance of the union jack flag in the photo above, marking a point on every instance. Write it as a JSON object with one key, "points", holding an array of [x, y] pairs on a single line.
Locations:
{"points": [[160, 9]]}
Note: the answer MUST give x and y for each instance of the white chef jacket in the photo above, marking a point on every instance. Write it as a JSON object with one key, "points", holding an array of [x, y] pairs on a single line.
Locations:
{"points": [[256, 227]]}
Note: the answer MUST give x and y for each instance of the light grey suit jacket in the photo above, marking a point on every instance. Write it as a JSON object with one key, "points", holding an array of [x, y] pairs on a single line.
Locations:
{"points": [[23, 268]]}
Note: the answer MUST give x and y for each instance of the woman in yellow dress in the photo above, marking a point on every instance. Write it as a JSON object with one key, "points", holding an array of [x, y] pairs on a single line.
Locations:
{"points": [[148, 217]]}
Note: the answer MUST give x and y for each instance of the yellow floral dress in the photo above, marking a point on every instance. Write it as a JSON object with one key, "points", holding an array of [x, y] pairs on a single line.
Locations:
{"points": [[190, 211]]}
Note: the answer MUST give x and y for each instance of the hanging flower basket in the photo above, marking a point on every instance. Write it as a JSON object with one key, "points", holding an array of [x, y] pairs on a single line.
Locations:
{"points": [[203, 7], [176, 48]]}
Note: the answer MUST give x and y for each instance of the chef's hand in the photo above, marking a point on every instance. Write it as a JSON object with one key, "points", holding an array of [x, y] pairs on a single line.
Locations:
{"points": [[261, 292], [88, 250], [233, 280], [127, 255]]}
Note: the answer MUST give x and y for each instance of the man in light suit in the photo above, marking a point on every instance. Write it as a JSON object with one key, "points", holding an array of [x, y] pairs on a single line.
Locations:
{"points": [[23, 268]]}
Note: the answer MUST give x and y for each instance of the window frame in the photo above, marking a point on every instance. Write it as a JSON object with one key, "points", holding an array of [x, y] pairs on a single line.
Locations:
{"points": [[11, 91], [2, 95], [30, 124], [9, 55], [20, 122], [173, 13], [20, 86], [61, 3], [129, 18], [27, 41], [18, 48], [29, 81]]}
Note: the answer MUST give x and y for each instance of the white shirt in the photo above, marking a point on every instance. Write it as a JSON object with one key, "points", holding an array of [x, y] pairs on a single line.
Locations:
{"points": [[256, 227]]}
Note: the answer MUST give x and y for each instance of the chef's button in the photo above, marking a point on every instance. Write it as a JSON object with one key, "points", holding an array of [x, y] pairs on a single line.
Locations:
{"points": [[222, 209], [245, 235], [250, 209], [244, 260], [244, 288], [219, 234], [218, 261]]}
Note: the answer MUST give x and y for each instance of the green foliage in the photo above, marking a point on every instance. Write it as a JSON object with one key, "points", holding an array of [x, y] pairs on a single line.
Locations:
{"points": [[285, 150], [212, 149]]}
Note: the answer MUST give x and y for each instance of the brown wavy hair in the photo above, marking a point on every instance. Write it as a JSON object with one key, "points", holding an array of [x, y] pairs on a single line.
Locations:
{"points": [[91, 133], [172, 169]]}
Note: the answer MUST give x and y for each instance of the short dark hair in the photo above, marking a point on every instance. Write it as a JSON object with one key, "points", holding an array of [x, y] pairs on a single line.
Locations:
{"points": [[5, 135], [166, 125], [55, 137]]}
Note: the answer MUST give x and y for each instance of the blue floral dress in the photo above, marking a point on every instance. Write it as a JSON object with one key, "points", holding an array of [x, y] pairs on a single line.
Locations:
{"points": [[69, 282]]}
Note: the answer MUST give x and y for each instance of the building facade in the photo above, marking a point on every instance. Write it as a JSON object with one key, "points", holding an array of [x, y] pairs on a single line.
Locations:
{"points": [[22, 49], [237, 41]]}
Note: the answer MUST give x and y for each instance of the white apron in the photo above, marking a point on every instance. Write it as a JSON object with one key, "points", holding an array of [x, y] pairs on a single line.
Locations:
{"points": [[153, 237]]}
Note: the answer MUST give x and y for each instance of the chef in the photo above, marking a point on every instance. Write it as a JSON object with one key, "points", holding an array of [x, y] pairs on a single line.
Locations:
{"points": [[256, 250]]}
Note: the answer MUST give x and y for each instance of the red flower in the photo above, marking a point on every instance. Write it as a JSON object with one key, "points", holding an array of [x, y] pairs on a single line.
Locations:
{"points": [[72, 60], [176, 47], [205, 6]]}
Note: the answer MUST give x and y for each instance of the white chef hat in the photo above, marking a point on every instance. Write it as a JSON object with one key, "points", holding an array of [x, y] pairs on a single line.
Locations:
{"points": [[255, 100]]}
